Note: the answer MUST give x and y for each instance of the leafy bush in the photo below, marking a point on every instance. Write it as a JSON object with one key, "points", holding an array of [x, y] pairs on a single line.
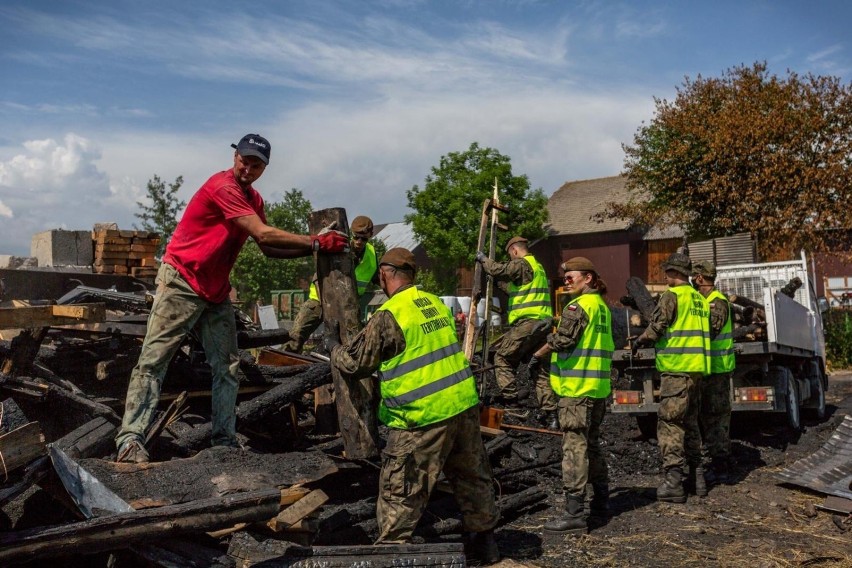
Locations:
{"points": [[838, 338]]}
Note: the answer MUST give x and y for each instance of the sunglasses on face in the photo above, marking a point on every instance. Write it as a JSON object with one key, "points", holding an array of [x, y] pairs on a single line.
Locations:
{"points": [[360, 238], [568, 279]]}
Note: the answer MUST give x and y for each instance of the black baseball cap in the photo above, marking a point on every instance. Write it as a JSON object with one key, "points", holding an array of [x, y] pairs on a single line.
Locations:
{"points": [[254, 145]]}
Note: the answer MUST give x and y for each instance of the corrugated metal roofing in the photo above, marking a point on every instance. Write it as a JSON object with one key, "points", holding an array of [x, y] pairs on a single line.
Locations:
{"points": [[829, 470], [398, 235]]}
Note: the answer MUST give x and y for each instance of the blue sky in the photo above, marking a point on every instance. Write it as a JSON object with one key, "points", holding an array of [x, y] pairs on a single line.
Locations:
{"points": [[358, 99]]}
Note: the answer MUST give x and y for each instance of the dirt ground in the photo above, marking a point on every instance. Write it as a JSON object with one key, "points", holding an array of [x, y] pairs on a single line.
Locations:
{"points": [[754, 521]]}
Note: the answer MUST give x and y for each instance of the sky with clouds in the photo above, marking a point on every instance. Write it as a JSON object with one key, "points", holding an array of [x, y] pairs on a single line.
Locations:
{"points": [[358, 99]]}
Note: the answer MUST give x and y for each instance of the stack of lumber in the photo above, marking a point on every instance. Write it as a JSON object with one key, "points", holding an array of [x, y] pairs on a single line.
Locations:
{"points": [[119, 251]]}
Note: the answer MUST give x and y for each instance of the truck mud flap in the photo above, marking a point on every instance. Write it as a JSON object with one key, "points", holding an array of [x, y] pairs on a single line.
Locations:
{"points": [[829, 469]]}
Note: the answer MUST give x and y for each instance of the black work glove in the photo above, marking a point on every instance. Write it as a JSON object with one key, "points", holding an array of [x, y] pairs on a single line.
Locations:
{"points": [[534, 366], [642, 341], [331, 337]]}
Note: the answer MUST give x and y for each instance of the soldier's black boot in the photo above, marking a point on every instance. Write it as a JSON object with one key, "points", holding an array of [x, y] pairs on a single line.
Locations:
{"points": [[696, 474], [481, 548], [573, 522], [671, 489], [599, 503], [717, 473]]}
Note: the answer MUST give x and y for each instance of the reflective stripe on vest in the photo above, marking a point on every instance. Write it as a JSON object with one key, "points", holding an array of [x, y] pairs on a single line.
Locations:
{"points": [[585, 371], [431, 379], [366, 269], [532, 300], [722, 348], [686, 344]]}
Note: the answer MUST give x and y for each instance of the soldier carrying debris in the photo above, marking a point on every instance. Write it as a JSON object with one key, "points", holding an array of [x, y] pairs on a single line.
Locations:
{"points": [[531, 318], [680, 330], [310, 314], [193, 288], [579, 368], [429, 403]]}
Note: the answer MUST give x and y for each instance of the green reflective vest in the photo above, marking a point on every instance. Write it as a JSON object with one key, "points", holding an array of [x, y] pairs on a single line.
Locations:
{"points": [[431, 379], [685, 346], [585, 371], [722, 348], [532, 300], [366, 269], [363, 273]]}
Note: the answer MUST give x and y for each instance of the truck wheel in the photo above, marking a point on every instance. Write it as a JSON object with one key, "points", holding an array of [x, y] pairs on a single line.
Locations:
{"points": [[647, 424], [794, 418], [817, 411]]}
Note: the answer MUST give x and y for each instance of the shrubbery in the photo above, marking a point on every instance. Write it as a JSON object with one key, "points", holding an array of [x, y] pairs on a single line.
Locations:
{"points": [[838, 338]]}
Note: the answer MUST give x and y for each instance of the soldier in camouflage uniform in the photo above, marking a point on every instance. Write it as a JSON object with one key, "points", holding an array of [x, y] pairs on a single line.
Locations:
{"points": [[680, 330], [714, 417], [580, 367], [309, 317], [430, 405], [530, 315]]}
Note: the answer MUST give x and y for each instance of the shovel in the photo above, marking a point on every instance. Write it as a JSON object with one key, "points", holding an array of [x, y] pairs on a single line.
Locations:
{"points": [[493, 418]]}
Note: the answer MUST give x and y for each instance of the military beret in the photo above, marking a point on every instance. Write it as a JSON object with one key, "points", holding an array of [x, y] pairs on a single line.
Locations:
{"points": [[514, 241], [704, 268], [679, 262], [362, 224], [578, 263], [399, 258]]}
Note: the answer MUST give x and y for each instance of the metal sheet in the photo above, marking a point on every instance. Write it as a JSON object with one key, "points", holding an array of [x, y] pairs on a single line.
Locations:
{"points": [[828, 470], [90, 495]]}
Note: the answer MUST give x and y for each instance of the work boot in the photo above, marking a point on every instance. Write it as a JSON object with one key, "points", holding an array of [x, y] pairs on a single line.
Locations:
{"points": [[573, 522], [717, 473], [599, 503], [695, 481], [671, 489], [132, 451], [481, 548]]}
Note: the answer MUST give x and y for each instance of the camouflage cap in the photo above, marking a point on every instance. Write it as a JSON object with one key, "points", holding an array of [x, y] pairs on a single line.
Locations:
{"points": [[578, 263], [514, 241], [361, 225], [399, 258], [679, 262], [705, 268]]}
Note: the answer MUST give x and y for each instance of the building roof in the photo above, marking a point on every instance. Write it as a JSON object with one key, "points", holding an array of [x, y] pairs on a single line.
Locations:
{"points": [[398, 235], [573, 206]]}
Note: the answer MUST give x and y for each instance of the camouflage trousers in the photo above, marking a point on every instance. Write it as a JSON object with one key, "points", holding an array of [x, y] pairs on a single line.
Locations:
{"points": [[516, 345], [411, 463], [677, 419], [582, 459], [176, 310], [714, 418], [307, 321]]}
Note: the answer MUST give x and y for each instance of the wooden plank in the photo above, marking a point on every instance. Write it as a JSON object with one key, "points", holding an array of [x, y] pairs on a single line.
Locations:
{"points": [[21, 446], [125, 529], [491, 432], [46, 316], [298, 510]]}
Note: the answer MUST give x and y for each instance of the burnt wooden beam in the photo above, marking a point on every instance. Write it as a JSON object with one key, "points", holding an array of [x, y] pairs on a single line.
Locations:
{"points": [[126, 529], [642, 298], [247, 339], [354, 399]]}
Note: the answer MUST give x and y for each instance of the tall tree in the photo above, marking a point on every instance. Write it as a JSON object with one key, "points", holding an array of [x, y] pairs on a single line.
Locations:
{"points": [[447, 209], [255, 275], [161, 215], [747, 151]]}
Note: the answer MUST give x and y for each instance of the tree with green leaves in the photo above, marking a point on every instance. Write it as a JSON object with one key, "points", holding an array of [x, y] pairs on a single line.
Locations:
{"points": [[746, 152], [447, 210], [255, 275], [161, 215]]}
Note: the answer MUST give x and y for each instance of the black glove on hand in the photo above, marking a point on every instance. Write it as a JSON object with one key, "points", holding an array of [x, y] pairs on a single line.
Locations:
{"points": [[642, 341], [331, 337], [534, 366]]}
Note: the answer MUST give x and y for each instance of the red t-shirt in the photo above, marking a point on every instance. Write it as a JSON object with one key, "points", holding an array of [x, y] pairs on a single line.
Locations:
{"points": [[206, 241]]}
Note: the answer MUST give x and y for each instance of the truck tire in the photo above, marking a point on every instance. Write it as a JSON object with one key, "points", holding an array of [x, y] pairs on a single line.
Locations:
{"points": [[817, 409], [794, 416], [647, 424]]}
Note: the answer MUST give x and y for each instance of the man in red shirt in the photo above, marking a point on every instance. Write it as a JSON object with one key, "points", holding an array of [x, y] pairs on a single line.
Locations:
{"points": [[192, 292]]}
